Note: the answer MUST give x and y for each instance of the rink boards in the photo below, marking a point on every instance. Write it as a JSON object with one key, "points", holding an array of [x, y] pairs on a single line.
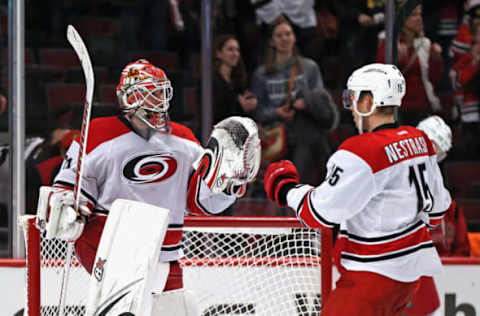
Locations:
{"points": [[459, 287]]}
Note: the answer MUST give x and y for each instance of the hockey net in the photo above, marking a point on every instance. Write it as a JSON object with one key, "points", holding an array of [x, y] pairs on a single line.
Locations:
{"points": [[234, 265]]}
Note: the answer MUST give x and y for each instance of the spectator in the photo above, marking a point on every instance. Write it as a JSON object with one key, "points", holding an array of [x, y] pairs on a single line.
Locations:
{"points": [[450, 237], [300, 14], [441, 20], [421, 63], [462, 42], [43, 157], [3, 113], [361, 21], [290, 90], [465, 79], [231, 96], [3, 104]]}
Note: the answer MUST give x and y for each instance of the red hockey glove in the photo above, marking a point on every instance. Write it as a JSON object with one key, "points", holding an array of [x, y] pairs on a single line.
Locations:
{"points": [[279, 178]]}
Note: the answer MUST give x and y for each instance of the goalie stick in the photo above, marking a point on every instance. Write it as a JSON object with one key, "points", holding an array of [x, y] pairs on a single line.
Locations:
{"points": [[81, 50]]}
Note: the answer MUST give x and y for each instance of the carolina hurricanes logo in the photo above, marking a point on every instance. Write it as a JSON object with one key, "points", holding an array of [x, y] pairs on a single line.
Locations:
{"points": [[150, 168]]}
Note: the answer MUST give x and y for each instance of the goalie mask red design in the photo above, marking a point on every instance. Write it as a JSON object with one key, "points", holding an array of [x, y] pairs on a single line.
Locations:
{"points": [[145, 91]]}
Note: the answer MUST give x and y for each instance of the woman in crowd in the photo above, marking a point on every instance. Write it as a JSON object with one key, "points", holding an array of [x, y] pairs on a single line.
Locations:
{"points": [[462, 43], [230, 80], [291, 94], [421, 63]]}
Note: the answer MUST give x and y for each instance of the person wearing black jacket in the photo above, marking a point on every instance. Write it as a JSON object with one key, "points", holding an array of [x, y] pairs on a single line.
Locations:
{"points": [[230, 78]]}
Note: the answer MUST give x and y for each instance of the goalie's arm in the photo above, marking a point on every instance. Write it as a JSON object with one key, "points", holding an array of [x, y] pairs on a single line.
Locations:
{"points": [[202, 201], [66, 175]]}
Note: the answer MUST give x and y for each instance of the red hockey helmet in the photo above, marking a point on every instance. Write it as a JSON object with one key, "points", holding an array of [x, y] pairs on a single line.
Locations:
{"points": [[146, 91]]}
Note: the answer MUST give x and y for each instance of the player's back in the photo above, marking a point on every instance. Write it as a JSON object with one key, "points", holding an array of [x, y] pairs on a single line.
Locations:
{"points": [[402, 163], [399, 184], [383, 188]]}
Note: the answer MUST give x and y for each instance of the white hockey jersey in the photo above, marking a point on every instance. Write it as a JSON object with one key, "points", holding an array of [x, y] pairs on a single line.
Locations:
{"points": [[121, 164], [384, 188]]}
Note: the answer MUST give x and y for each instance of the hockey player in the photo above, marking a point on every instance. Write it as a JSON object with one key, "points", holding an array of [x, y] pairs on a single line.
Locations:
{"points": [[384, 188], [450, 237], [142, 156]]}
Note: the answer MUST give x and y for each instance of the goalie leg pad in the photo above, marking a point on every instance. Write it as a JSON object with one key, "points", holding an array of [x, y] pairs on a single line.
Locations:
{"points": [[160, 277], [127, 259], [177, 302]]}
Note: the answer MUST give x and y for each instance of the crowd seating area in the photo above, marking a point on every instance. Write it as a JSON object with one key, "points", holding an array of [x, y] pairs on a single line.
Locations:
{"points": [[55, 93]]}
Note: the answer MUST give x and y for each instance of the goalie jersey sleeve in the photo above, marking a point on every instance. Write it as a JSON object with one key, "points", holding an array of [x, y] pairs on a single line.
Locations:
{"points": [[121, 164], [385, 190]]}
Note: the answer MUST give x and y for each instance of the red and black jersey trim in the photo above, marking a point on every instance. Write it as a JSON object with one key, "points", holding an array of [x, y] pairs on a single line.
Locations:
{"points": [[382, 238], [367, 249], [97, 211], [70, 185], [171, 248], [438, 214], [173, 238], [309, 215], [197, 199], [397, 254], [436, 218], [193, 199]]}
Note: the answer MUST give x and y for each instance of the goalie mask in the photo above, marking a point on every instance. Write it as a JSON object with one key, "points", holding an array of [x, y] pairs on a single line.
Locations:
{"points": [[439, 133], [145, 91]]}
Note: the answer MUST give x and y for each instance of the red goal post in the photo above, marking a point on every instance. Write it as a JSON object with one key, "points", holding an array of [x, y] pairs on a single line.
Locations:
{"points": [[249, 265]]}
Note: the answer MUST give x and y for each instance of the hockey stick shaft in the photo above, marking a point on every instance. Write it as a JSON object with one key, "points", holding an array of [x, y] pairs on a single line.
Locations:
{"points": [[82, 53]]}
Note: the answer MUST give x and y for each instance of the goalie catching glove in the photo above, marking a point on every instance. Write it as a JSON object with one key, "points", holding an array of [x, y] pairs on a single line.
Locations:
{"points": [[56, 215], [279, 178], [232, 156]]}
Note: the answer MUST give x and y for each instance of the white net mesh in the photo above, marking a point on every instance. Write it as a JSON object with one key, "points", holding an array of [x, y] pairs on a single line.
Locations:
{"points": [[53, 253], [232, 271], [254, 271], [45, 268]]}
